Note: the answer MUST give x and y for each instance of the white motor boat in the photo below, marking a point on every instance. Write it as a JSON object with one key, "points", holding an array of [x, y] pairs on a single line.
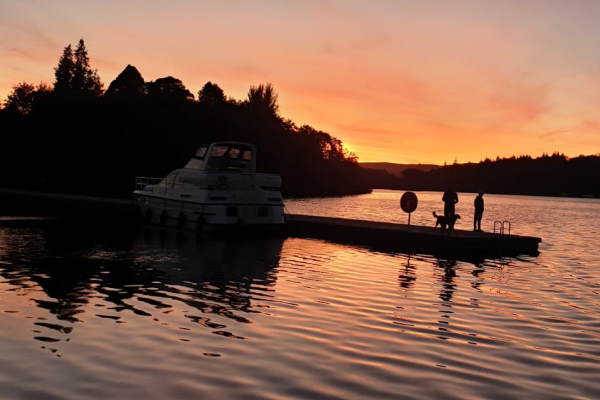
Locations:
{"points": [[218, 187]]}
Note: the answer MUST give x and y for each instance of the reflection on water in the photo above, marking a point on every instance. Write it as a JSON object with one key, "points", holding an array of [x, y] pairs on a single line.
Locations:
{"points": [[110, 312], [447, 279], [69, 276], [407, 276]]}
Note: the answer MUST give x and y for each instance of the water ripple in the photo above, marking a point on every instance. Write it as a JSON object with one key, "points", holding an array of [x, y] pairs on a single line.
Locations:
{"points": [[162, 315]]}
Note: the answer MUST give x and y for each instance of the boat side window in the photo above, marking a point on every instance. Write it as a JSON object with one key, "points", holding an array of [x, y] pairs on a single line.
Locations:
{"points": [[247, 155], [234, 152], [218, 151]]}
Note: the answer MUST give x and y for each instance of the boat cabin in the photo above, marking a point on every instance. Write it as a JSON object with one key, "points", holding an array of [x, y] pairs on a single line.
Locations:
{"points": [[224, 157], [218, 186]]}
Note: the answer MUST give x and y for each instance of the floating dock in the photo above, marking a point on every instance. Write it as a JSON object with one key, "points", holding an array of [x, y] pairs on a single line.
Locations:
{"points": [[377, 235], [411, 238]]}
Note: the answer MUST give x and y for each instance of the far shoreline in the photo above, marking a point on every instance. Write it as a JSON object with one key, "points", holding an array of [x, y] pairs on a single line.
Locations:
{"points": [[590, 197]]}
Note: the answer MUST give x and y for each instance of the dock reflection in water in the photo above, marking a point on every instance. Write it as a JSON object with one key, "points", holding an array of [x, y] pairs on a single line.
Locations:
{"points": [[112, 313]]}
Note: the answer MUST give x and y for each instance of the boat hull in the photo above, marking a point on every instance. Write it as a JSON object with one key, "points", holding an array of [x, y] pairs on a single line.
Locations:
{"points": [[209, 216]]}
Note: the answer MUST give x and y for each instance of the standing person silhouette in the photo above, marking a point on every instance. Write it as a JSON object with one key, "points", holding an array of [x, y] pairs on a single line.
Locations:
{"points": [[450, 198], [478, 203]]}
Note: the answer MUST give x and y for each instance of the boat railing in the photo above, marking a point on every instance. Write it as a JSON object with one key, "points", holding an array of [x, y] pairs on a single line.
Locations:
{"points": [[142, 181]]}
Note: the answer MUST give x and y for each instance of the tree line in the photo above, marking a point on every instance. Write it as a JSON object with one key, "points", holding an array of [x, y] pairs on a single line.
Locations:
{"points": [[75, 137], [547, 175]]}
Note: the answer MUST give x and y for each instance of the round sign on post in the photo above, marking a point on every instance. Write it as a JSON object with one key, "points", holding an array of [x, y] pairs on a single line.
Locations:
{"points": [[408, 203]]}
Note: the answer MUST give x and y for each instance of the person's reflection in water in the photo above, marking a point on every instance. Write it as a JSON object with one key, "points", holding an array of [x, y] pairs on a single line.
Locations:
{"points": [[448, 285], [446, 293], [476, 282], [477, 271]]}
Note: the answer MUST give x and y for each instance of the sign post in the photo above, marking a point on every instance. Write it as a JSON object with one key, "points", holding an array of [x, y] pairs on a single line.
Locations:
{"points": [[408, 203]]}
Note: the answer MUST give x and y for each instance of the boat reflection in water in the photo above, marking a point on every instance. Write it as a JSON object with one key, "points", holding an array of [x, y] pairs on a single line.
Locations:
{"points": [[174, 279], [223, 270]]}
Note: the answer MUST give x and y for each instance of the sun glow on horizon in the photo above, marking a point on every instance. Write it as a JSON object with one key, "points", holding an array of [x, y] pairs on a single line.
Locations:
{"points": [[397, 82]]}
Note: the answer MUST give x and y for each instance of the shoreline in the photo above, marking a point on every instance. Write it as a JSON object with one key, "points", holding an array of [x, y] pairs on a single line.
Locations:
{"points": [[557, 196]]}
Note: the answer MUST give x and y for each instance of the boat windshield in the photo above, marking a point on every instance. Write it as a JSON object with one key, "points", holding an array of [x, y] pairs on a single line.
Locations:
{"points": [[201, 153], [229, 157], [196, 160]]}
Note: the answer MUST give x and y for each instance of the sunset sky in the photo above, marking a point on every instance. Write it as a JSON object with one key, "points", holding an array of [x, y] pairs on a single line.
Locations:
{"points": [[398, 81]]}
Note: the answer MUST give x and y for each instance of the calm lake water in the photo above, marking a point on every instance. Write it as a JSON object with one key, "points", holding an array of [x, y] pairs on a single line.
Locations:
{"points": [[90, 312]]}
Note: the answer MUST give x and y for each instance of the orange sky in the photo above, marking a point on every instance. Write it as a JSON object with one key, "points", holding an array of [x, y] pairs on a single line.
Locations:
{"points": [[398, 81]]}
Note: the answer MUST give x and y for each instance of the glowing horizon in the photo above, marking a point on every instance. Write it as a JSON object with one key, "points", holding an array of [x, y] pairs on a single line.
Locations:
{"points": [[396, 81]]}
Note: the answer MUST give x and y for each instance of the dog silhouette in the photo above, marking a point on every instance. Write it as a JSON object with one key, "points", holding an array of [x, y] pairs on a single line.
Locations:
{"points": [[445, 223]]}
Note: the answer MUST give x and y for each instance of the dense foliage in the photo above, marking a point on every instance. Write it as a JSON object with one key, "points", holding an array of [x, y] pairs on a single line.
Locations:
{"points": [[548, 175], [73, 137]]}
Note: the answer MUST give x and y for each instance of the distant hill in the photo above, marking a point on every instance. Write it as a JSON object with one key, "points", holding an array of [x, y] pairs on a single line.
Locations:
{"points": [[397, 169], [547, 175]]}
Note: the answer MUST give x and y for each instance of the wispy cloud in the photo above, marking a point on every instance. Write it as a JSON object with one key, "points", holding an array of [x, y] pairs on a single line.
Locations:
{"points": [[394, 80], [521, 103], [17, 53], [586, 126], [555, 132]]}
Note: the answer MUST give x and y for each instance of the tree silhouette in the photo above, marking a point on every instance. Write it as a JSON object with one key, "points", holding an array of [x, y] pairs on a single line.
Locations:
{"points": [[211, 94], [550, 175], [63, 73], [55, 142], [85, 79], [128, 85], [74, 76], [169, 89], [21, 98], [263, 97], [97, 146]]}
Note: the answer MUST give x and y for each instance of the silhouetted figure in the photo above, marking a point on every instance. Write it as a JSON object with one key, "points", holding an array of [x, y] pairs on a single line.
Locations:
{"points": [[450, 198], [479, 205]]}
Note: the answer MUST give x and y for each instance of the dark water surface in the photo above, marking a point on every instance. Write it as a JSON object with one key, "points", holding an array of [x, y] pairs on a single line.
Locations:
{"points": [[91, 311]]}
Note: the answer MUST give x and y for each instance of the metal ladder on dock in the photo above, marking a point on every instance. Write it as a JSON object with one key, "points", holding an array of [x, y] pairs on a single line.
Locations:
{"points": [[501, 227]]}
